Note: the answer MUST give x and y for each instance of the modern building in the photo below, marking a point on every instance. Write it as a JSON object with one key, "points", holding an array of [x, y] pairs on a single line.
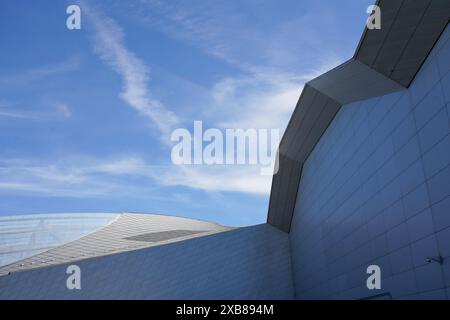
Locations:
{"points": [[144, 256], [364, 179]]}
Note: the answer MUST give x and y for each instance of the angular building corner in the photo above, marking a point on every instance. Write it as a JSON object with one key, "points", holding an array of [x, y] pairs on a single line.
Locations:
{"points": [[364, 174]]}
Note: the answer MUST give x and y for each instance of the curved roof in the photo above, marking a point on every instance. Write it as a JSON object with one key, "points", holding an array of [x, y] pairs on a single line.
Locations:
{"points": [[22, 236], [129, 231]]}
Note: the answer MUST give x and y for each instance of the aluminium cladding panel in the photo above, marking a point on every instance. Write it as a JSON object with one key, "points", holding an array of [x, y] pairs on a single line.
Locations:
{"points": [[353, 81], [408, 18], [371, 42], [246, 263], [422, 41], [311, 117], [314, 110], [284, 192], [385, 61], [311, 120], [409, 29], [326, 116], [374, 41], [385, 200], [304, 102]]}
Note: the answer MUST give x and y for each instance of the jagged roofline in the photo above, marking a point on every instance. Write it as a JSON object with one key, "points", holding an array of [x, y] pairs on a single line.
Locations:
{"points": [[385, 61]]}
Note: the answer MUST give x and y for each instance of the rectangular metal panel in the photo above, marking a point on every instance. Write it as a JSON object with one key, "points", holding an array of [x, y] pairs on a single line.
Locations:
{"points": [[353, 81], [318, 130], [284, 192], [306, 99], [409, 30], [310, 120], [372, 40]]}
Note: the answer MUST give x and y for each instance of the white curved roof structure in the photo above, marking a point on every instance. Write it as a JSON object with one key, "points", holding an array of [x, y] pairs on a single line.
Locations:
{"points": [[22, 236], [102, 235]]}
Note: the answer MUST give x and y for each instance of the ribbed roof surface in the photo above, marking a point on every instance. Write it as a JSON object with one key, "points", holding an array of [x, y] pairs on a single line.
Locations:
{"points": [[23, 236], [128, 232]]}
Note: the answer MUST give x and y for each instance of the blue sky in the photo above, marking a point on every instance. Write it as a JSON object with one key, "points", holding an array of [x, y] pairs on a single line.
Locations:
{"points": [[86, 115]]}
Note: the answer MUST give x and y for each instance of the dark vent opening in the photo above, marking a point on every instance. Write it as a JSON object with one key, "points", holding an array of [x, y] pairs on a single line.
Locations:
{"points": [[163, 235]]}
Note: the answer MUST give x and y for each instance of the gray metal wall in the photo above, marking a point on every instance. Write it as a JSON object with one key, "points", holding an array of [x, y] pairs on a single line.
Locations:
{"points": [[376, 190], [247, 263]]}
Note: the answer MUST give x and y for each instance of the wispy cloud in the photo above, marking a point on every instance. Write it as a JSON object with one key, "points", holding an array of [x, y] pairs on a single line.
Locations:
{"points": [[275, 56], [211, 26], [273, 67], [244, 179], [262, 95], [76, 177], [90, 177], [110, 45], [56, 111], [251, 37], [27, 76], [254, 102], [264, 99]]}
